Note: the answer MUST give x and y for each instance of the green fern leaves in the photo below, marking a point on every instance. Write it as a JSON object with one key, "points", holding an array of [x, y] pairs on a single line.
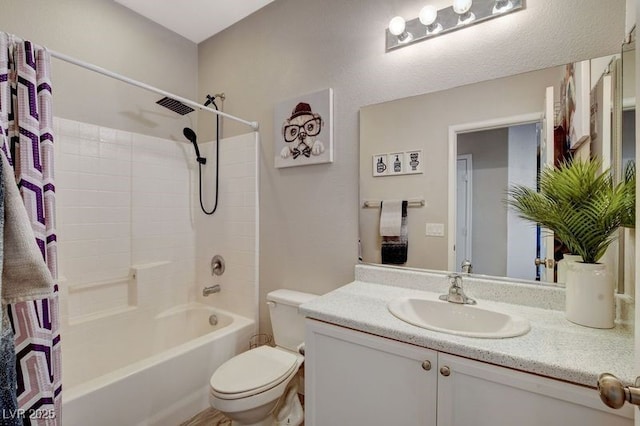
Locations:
{"points": [[579, 204]]}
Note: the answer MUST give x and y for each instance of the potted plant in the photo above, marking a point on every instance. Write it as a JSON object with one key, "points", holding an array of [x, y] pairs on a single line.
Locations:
{"points": [[584, 209]]}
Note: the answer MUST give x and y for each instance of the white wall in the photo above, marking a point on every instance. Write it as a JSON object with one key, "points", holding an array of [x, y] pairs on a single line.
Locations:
{"points": [[489, 149], [521, 235], [128, 203], [123, 199], [232, 231], [309, 215], [111, 36]]}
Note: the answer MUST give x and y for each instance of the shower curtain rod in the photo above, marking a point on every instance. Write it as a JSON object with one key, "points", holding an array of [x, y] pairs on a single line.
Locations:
{"points": [[253, 124]]}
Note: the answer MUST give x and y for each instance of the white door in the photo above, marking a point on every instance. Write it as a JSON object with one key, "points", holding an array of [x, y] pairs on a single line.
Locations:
{"points": [[546, 160], [463, 209]]}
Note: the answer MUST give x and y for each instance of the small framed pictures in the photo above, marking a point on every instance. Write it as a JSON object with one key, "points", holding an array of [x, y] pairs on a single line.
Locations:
{"points": [[397, 163], [380, 165], [413, 161]]}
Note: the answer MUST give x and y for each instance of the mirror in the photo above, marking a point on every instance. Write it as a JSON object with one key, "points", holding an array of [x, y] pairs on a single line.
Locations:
{"points": [[625, 152], [463, 147]]}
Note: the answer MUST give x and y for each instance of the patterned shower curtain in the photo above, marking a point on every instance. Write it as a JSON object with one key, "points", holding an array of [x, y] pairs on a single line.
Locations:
{"points": [[26, 125]]}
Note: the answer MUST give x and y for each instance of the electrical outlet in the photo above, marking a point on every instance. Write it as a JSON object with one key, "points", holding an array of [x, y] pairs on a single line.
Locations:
{"points": [[434, 230]]}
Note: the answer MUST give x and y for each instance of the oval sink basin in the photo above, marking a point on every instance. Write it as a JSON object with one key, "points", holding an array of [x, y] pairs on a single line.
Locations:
{"points": [[461, 320]]}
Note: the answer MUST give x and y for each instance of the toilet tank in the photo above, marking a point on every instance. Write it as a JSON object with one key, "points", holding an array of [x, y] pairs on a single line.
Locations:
{"points": [[287, 323]]}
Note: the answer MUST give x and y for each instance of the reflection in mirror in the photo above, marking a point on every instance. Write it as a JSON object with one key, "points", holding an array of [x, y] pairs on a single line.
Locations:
{"points": [[494, 134], [493, 238], [624, 153]]}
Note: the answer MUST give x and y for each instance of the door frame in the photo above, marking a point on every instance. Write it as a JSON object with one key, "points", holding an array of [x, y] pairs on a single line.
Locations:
{"points": [[454, 130]]}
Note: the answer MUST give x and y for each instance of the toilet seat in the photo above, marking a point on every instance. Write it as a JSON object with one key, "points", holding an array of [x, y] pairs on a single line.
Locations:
{"points": [[253, 372]]}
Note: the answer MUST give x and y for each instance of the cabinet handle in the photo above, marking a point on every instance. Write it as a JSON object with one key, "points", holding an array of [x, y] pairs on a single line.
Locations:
{"points": [[445, 371], [614, 394], [426, 365]]}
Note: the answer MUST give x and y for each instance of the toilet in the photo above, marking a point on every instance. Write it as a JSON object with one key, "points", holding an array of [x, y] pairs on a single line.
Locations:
{"points": [[255, 388]]}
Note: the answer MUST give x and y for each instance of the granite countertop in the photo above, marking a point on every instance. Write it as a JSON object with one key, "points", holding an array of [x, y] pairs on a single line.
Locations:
{"points": [[554, 347]]}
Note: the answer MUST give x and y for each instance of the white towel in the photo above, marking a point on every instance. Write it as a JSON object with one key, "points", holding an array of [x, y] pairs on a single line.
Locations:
{"points": [[391, 218], [25, 275]]}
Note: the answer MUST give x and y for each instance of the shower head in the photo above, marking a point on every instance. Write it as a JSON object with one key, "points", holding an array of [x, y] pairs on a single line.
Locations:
{"points": [[175, 106], [191, 136]]}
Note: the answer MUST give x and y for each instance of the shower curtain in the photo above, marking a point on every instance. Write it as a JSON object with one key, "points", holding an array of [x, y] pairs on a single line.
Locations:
{"points": [[26, 124]]}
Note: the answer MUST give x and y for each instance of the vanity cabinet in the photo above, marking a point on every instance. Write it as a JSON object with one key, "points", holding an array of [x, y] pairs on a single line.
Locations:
{"points": [[358, 379]]}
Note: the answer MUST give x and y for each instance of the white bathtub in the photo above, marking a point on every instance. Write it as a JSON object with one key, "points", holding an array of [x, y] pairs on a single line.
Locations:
{"points": [[135, 368]]}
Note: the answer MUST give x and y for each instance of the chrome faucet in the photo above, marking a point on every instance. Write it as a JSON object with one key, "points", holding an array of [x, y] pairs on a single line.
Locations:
{"points": [[456, 293], [466, 266], [210, 290]]}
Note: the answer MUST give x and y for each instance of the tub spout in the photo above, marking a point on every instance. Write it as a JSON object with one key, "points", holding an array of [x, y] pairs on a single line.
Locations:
{"points": [[210, 290]]}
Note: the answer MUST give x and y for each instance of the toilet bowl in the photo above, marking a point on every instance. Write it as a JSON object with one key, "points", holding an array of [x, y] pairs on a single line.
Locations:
{"points": [[248, 387]]}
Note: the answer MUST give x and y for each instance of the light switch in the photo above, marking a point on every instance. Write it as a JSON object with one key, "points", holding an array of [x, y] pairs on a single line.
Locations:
{"points": [[434, 230]]}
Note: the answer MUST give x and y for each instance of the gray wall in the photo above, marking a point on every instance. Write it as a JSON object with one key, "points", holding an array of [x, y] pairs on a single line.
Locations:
{"points": [[111, 36], [489, 150], [309, 215]]}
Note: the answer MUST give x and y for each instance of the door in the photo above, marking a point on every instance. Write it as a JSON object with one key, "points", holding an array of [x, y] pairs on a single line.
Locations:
{"points": [[545, 260], [473, 393], [353, 378], [463, 209]]}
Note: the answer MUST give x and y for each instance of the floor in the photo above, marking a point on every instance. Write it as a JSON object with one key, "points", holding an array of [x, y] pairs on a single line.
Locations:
{"points": [[212, 417], [208, 417]]}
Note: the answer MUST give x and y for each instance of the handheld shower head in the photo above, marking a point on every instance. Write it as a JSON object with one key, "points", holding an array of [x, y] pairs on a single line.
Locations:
{"points": [[191, 136]]}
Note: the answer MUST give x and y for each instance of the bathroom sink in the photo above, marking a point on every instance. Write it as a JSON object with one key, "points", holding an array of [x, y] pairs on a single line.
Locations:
{"points": [[461, 320]]}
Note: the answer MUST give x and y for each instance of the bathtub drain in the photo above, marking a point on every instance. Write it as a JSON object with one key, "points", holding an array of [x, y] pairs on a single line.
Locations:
{"points": [[213, 319]]}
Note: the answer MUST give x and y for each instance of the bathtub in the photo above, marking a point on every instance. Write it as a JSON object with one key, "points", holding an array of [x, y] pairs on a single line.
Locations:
{"points": [[137, 368]]}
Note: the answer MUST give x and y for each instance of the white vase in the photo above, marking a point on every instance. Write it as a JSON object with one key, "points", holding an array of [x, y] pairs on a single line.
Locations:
{"points": [[563, 265], [590, 295]]}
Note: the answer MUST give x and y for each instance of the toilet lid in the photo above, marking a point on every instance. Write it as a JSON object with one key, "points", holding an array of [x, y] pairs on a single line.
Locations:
{"points": [[252, 370]]}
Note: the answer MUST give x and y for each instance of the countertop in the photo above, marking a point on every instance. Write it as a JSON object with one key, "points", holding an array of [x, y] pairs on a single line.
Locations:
{"points": [[553, 348]]}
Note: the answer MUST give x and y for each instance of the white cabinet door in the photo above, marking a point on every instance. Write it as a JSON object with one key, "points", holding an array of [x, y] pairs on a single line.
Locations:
{"points": [[477, 394], [355, 379]]}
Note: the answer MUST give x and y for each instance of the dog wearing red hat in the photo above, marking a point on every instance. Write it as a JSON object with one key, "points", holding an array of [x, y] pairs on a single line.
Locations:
{"points": [[300, 131]]}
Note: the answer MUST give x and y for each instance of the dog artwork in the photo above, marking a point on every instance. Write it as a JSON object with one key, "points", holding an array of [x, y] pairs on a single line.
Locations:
{"points": [[301, 140]]}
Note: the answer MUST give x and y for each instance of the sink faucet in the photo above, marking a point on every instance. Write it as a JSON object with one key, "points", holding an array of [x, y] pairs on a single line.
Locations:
{"points": [[210, 290], [466, 266], [456, 294]]}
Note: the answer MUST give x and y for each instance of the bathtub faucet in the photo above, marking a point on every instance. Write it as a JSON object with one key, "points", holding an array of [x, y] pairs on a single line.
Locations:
{"points": [[210, 290]]}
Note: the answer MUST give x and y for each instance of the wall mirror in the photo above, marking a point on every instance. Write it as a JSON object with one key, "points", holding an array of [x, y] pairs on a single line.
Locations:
{"points": [[470, 143]]}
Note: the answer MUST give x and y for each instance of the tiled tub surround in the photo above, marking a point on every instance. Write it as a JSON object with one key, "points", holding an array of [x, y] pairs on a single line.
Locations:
{"points": [[133, 249], [232, 231], [554, 347]]}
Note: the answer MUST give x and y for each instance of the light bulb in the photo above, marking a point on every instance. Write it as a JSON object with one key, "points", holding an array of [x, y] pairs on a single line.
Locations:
{"points": [[397, 25], [502, 6], [461, 6], [428, 15]]}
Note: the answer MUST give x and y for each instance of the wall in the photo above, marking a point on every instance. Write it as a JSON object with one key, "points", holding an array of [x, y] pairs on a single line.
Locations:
{"points": [[111, 36], [523, 170], [123, 201], [232, 231], [309, 215], [489, 150]]}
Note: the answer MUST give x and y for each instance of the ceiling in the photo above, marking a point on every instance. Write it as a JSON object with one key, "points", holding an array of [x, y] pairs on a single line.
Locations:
{"points": [[196, 20]]}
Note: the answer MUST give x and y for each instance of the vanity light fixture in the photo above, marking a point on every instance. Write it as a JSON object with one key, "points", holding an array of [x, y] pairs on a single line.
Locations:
{"points": [[432, 22]]}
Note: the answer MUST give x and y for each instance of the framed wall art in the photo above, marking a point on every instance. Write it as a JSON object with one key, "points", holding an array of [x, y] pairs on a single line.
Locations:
{"points": [[304, 130]]}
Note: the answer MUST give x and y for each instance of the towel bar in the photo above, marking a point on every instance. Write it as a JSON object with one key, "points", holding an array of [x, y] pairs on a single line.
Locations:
{"points": [[376, 204]]}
